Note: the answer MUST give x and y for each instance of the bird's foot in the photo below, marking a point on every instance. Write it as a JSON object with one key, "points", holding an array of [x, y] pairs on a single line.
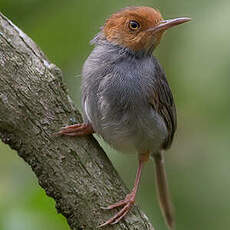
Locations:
{"points": [[76, 130], [126, 204]]}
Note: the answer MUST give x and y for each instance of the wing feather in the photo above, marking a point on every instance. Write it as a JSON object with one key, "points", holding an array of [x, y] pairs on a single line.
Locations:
{"points": [[162, 101]]}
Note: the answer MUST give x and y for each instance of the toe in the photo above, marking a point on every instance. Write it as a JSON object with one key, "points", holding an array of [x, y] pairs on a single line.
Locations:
{"points": [[116, 218]]}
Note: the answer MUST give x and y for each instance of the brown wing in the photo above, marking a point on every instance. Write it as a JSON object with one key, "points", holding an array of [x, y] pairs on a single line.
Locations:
{"points": [[162, 101]]}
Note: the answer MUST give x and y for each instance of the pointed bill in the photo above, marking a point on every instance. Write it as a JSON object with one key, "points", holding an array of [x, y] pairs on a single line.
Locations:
{"points": [[166, 24]]}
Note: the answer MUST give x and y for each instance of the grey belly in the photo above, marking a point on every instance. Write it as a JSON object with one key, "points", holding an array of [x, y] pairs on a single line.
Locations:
{"points": [[131, 131]]}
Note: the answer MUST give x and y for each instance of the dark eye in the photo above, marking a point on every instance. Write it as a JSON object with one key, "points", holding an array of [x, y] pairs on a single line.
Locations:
{"points": [[134, 25]]}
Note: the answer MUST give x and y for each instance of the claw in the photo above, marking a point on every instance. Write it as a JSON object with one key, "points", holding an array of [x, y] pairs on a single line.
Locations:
{"points": [[117, 217], [127, 203], [118, 204], [76, 130]]}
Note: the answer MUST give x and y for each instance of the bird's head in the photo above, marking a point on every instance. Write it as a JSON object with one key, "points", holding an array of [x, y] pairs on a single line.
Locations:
{"points": [[138, 28]]}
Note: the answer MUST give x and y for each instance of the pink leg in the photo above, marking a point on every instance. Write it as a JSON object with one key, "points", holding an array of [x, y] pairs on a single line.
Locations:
{"points": [[128, 202], [76, 130]]}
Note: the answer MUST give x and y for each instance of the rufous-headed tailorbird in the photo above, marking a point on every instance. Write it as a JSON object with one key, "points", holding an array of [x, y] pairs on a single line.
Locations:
{"points": [[126, 98]]}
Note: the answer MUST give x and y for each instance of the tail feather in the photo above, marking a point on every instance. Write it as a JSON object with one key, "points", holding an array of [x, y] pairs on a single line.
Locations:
{"points": [[162, 189]]}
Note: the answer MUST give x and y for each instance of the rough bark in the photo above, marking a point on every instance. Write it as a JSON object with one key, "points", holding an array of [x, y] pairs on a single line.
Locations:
{"points": [[34, 104]]}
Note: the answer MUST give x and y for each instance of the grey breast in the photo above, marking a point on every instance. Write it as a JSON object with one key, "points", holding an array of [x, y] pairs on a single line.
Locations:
{"points": [[116, 89]]}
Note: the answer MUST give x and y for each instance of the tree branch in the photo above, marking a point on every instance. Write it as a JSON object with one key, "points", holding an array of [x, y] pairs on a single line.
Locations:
{"points": [[34, 105]]}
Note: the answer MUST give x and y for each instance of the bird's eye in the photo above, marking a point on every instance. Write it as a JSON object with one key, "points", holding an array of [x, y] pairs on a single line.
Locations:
{"points": [[134, 25]]}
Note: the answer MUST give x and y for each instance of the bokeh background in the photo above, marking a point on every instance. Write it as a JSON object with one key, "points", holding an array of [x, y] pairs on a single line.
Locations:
{"points": [[196, 58]]}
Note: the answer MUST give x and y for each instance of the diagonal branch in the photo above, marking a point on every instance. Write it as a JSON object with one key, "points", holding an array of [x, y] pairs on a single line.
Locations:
{"points": [[34, 105]]}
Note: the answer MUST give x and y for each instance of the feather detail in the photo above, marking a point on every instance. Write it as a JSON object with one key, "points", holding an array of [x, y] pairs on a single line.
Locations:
{"points": [[162, 102], [162, 189]]}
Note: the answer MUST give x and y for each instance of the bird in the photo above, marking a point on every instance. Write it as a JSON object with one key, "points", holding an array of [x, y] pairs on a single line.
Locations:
{"points": [[126, 98]]}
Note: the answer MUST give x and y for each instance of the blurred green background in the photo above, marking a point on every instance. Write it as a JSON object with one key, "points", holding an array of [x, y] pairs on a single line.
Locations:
{"points": [[196, 58]]}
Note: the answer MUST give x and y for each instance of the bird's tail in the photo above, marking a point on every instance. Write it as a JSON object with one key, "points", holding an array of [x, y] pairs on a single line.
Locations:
{"points": [[162, 189]]}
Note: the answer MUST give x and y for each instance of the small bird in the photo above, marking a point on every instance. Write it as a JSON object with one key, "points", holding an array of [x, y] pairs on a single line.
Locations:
{"points": [[126, 98]]}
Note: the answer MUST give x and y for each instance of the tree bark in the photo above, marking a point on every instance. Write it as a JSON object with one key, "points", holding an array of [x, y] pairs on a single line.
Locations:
{"points": [[34, 105]]}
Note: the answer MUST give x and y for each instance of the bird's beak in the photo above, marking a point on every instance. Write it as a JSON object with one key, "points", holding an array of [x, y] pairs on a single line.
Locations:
{"points": [[166, 24]]}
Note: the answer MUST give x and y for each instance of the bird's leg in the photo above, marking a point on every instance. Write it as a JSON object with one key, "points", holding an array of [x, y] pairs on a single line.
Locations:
{"points": [[129, 200], [76, 130]]}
